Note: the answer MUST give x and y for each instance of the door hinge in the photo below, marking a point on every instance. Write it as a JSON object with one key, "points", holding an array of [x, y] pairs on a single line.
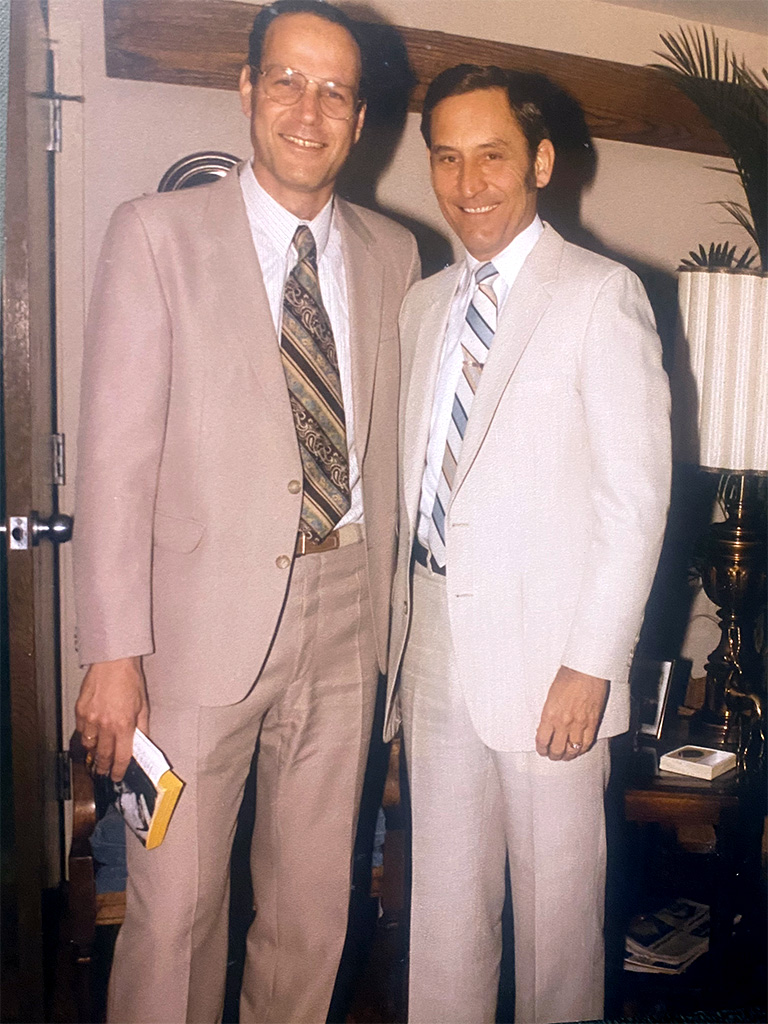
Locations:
{"points": [[54, 124], [58, 457], [55, 100], [63, 776]]}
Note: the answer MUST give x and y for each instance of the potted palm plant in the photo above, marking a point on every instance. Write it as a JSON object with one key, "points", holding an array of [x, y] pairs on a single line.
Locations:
{"points": [[721, 377]]}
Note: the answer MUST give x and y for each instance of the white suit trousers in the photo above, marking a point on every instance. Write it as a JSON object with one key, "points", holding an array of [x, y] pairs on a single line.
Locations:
{"points": [[472, 807]]}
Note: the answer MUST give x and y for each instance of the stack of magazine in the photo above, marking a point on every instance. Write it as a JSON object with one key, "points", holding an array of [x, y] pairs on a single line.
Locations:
{"points": [[668, 941]]}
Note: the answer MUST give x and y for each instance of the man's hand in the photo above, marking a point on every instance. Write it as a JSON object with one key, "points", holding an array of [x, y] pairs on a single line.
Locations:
{"points": [[112, 702], [571, 715]]}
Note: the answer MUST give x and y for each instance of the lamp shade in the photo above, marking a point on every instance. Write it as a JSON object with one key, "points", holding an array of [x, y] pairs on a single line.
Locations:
{"points": [[720, 376]]}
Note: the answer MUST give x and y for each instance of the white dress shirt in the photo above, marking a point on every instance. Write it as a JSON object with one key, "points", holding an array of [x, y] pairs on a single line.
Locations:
{"points": [[508, 264], [272, 229]]}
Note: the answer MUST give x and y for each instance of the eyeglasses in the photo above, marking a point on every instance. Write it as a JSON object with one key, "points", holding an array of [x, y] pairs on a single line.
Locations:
{"points": [[286, 87]]}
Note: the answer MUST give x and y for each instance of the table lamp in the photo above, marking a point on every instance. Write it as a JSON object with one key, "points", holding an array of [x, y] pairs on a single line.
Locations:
{"points": [[720, 380]]}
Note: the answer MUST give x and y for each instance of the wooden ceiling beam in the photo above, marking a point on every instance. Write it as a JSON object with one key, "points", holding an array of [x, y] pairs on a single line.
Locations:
{"points": [[200, 42]]}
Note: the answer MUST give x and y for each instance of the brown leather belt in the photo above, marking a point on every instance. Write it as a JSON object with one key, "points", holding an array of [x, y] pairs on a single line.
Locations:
{"points": [[349, 534], [423, 557]]}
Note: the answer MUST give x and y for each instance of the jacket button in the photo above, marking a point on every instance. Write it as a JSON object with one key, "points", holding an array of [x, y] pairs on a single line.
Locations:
{"points": [[294, 487], [282, 562]]}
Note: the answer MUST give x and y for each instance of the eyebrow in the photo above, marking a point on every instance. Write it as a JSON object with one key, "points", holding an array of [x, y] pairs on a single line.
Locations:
{"points": [[490, 144]]}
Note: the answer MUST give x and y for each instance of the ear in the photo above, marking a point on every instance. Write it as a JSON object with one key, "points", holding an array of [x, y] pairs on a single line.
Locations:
{"points": [[360, 122], [246, 90], [544, 163]]}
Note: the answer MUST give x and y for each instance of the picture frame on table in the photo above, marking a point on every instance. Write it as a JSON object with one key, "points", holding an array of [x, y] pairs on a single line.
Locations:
{"points": [[657, 689]]}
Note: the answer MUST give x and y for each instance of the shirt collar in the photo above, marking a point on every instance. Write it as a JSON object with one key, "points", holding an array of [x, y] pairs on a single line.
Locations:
{"points": [[509, 261], [275, 222]]}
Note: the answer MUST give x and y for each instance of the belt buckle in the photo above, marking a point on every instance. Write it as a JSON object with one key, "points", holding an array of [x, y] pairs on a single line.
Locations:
{"points": [[333, 540], [301, 545]]}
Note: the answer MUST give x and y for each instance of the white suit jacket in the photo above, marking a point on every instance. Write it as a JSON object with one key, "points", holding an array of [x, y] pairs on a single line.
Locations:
{"points": [[559, 505]]}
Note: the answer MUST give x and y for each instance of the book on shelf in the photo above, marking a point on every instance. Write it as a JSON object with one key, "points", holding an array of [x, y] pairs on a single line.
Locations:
{"points": [[702, 762], [147, 794], [669, 940]]}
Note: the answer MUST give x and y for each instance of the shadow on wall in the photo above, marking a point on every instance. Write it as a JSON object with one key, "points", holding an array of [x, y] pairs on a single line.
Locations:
{"points": [[390, 83], [560, 202]]}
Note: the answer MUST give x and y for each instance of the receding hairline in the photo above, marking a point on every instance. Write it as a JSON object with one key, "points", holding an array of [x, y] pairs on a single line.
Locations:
{"points": [[325, 21], [473, 92]]}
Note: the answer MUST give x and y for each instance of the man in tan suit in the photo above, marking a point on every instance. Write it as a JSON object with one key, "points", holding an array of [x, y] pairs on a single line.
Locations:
{"points": [[236, 529], [535, 441]]}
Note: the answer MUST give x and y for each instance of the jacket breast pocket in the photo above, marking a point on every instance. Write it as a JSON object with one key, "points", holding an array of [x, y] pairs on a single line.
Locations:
{"points": [[175, 533]]}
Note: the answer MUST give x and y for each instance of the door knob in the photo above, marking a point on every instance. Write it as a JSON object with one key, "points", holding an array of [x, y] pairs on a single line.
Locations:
{"points": [[57, 528], [22, 530]]}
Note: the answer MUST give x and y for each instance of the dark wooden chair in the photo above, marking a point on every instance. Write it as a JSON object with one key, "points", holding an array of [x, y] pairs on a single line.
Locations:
{"points": [[88, 909]]}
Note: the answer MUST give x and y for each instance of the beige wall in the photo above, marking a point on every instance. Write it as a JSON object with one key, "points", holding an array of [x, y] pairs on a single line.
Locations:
{"points": [[648, 204]]}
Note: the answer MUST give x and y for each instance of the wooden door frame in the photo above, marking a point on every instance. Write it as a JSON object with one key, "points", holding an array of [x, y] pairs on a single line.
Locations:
{"points": [[29, 410]]}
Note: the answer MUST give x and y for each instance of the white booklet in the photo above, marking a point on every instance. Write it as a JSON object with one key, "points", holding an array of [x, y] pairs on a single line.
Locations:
{"points": [[703, 762]]}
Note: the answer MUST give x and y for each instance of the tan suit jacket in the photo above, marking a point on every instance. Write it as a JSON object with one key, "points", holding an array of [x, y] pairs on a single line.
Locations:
{"points": [[187, 445], [557, 514]]}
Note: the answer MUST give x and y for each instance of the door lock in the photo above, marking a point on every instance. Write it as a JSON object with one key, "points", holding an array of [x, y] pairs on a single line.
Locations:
{"points": [[57, 528]]}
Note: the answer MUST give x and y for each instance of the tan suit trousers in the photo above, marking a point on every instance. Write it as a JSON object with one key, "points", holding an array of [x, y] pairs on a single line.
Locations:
{"points": [[472, 807], [311, 712]]}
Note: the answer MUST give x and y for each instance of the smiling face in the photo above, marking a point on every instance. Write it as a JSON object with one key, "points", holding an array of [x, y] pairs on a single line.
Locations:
{"points": [[482, 172], [298, 150]]}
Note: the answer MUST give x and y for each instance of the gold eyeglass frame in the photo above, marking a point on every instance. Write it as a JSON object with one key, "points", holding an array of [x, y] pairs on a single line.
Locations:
{"points": [[297, 75]]}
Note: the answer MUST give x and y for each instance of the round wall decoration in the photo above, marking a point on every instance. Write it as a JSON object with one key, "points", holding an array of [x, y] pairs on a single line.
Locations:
{"points": [[197, 169]]}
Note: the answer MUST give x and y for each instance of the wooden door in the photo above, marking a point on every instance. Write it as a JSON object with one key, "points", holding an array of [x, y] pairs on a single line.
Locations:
{"points": [[30, 499]]}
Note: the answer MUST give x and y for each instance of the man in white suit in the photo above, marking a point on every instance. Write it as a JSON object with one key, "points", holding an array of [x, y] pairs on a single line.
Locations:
{"points": [[535, 437]]}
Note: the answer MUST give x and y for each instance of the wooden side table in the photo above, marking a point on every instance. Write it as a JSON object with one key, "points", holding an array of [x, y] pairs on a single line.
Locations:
{"points": [[722, 818]]}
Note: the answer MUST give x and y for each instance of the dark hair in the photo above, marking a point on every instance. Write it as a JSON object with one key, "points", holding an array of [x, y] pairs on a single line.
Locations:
{"points": [[522, 91], [268, 14]]}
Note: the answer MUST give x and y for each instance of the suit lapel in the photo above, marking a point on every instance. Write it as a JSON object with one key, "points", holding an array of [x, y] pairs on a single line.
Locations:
{"points": [[365, 281], [428, 320], [525, 305], [242, 299]]}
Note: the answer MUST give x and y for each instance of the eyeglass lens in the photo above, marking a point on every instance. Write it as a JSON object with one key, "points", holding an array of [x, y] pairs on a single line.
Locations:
{"points": [[286, 86]]}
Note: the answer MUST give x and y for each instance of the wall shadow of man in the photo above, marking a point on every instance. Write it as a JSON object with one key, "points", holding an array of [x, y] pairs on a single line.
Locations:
{"points": [[391, 81], [575, 169]]}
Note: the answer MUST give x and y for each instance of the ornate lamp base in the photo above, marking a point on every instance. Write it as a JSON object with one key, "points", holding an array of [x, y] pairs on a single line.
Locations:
{"points": [[733, 571]]}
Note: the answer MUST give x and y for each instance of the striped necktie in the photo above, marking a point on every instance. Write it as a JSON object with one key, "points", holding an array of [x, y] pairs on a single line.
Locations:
{"points": [[476, 337], [312, 373]]}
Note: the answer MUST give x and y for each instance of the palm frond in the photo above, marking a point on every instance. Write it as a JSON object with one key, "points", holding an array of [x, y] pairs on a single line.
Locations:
{"points": [[741, 215]]}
